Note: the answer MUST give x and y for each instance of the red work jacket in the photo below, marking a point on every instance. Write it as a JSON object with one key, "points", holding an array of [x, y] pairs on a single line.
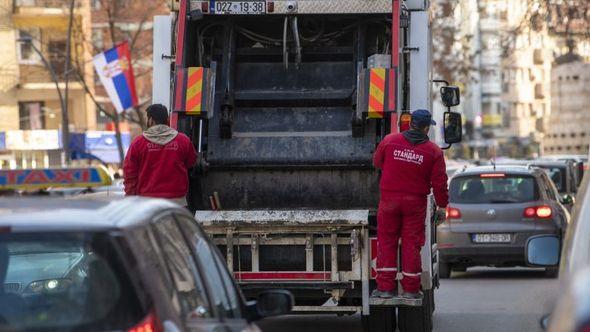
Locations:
{"points": [[412, 169]]}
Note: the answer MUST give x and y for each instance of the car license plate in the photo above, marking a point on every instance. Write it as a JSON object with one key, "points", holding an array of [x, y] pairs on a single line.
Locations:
{"points": [[239, 7], [492, 238]]}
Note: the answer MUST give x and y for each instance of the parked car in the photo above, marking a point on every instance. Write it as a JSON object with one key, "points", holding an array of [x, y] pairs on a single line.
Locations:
{"points": [[564, 173], [132, 264], [493, 212], [580, 160], [572, 312]]}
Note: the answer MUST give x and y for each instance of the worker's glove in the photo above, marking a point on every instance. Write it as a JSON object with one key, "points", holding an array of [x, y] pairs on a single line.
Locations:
{"points": [[440, 215]]}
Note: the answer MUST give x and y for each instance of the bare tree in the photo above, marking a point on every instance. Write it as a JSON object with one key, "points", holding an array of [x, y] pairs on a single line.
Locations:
{"points": [[452, 52], [566, 19]]}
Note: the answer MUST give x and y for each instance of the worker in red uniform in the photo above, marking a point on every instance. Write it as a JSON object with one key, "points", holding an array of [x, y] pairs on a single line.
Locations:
{"points": [[157, 162], [411, 166]]}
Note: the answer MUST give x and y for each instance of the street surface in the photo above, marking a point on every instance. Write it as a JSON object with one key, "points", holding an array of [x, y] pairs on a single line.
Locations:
{"points": [[482, 300]]}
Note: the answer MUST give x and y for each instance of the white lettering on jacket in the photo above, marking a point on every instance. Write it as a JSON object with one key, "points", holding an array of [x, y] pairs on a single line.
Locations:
{"points": [[409, 156], [157, 147]]}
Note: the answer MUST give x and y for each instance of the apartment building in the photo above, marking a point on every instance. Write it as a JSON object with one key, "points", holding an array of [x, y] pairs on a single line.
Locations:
{"points": [[568, 131], [526, 80], [33, 44], [510, 89]]}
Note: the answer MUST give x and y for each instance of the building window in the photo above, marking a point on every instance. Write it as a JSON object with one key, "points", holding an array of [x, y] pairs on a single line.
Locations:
{"points": [[31, 115], [98, 39], [563, 135], [56, 50], [559, 148], [568, 148], [573, 135], [25, 52], [96, 4], [578, 147], [583, 134]]}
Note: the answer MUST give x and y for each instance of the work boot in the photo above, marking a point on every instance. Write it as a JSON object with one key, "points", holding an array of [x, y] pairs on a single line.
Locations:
{"points": [[412, 296], [382, 294]]}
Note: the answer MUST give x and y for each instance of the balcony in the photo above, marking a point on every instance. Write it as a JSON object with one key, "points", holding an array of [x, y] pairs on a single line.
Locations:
{"points": [[41, 13], [8, 79]]}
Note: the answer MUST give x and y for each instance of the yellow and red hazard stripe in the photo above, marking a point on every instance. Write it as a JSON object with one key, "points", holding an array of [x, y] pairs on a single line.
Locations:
{"points": [[194, 89], [377, 93]]}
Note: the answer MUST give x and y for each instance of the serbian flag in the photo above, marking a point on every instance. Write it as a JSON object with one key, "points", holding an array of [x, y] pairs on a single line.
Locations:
{"points": [[116, 75]]}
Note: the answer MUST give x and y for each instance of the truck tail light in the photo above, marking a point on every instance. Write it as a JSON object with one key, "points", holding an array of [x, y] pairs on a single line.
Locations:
{"points": [[149, 324], [270, 7], [205, 6], [404, 121], [542, 212], [453, 213]]}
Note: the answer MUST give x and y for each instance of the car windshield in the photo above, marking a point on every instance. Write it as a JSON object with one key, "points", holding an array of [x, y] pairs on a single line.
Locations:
{"points": [[493, 189], [64, 282], [557, 175]]}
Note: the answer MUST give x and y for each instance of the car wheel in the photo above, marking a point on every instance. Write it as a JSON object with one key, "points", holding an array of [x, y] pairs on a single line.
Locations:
{"points": [[444, 270], [552, 272]]}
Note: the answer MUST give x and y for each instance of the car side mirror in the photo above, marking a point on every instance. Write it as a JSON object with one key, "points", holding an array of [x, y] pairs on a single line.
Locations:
{"points": [[271, 303], [543, 250], [567, 199], [453, 127], [450, 95]]}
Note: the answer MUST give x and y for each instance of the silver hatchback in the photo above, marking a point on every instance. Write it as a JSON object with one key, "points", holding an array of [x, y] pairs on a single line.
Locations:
{"points": [[493, 211]]}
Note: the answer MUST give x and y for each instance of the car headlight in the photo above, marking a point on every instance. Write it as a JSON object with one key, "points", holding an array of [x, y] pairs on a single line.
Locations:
{"points": [[49, 285]]}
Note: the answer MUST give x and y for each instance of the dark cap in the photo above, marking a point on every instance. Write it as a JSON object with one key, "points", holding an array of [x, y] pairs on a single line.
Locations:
{"points": [[158, 113], [422, 118]]}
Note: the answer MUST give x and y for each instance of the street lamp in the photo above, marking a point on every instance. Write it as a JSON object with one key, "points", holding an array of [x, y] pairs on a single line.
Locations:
{"points": [[65, 132]]}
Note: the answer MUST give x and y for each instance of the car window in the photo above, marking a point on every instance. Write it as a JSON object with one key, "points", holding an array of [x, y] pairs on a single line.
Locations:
{"points": [[226, 295], [493, 188], [557, 175], [180, 265], [550, 188], [72, 281]]}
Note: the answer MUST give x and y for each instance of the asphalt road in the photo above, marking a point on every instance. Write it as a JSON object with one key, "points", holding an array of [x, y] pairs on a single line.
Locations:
{"points": [[481, 300]]}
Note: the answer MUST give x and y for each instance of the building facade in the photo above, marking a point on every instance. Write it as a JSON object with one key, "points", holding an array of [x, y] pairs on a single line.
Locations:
{"points": [[511, 77], [568, 130], [33, 35]]}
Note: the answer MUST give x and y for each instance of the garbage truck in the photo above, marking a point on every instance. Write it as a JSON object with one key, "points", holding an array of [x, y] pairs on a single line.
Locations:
{"points": [[286, 102]]}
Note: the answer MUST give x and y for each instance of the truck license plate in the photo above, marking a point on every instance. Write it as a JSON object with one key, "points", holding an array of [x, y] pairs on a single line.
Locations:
{"points": [[239, 7], [491, 238]]}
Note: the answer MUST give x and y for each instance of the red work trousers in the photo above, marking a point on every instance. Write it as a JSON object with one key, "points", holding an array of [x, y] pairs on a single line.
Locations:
{"points": [[400, 216]]}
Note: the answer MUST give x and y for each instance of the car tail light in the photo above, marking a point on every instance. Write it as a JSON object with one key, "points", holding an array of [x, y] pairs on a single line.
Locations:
{"points": [[542, 211], [404, 121], [149, 324], [453, 213], [270, 7], [205, 7]]}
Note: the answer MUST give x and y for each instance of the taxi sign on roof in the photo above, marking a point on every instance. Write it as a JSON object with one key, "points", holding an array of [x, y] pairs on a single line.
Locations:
{"points": [[31, 179]]}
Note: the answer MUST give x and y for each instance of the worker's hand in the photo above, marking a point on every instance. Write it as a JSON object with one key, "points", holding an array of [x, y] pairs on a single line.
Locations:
{"points": [[440, 215]]}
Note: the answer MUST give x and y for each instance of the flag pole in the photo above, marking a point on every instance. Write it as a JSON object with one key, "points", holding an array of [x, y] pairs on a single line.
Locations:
{"points": [[119, 139], [65, 120]]}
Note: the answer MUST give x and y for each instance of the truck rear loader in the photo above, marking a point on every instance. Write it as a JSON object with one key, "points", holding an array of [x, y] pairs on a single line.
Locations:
{"points": [[286, 102]]}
